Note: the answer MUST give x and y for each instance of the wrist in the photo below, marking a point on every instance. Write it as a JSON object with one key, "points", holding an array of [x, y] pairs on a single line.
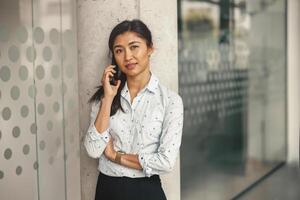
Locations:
{"points": [[108, 99], [118, 157], [113, 156]]}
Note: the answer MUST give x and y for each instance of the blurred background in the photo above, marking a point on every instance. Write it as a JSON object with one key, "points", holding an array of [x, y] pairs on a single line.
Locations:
{"points": [[233, 58], [232, 76]]}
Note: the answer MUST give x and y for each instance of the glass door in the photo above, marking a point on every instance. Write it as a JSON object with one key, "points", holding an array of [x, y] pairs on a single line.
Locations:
{"points": [[232, 69], [39, 129]]}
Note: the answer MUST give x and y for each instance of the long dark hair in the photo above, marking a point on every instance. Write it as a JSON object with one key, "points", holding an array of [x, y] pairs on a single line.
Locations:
{"points": [[138, 27]]}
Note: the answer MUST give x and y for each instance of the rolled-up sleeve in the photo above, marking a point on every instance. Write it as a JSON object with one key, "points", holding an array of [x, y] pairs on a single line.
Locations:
{"points": [[94, 141], [164, 159]]}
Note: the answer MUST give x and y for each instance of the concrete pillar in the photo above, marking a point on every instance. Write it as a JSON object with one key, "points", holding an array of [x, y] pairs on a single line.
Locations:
{"points": [[293, 82], [161, 17], [95, 21]]}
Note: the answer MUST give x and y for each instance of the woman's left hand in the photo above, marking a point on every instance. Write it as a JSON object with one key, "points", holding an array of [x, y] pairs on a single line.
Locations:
{"points": [[109, 151]]}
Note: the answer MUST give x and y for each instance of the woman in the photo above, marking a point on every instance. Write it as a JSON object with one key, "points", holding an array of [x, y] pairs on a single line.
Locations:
{"points": [[136, 123]]}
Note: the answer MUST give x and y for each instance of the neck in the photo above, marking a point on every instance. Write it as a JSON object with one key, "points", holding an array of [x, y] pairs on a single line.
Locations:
{"points": [[136, 83]]}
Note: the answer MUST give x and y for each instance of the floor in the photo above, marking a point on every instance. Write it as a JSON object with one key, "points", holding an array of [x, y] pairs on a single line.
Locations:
{"points": [[212, 182], [284, 184]]}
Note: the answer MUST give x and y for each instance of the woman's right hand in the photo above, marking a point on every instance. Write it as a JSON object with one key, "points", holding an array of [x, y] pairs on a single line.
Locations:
{"points": [[110, 91]]}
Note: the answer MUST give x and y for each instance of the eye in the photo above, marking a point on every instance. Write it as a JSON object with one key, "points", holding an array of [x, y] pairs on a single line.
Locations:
{"points": [[134, 46], [117, 51]]}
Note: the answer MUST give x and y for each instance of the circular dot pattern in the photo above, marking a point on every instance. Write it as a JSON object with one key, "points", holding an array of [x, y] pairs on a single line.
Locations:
{"points": [[48, 89], [24, 111], [42, 145], [35, 165], [16, 131], [38, 35], [33, 128], [54, 36], [22, 34], [47, 53], [41, 108], [40, 72], [5, 73], [26, 149], [7, 153], [6, 113], [32, 91], [30, 54], [18, 170], [23, 73], [13, 53], [15, 92], [56, 107]]}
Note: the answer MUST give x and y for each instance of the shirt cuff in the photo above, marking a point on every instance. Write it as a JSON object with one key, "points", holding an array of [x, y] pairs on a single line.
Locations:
{"points": [[95, 135], [143, 158]]}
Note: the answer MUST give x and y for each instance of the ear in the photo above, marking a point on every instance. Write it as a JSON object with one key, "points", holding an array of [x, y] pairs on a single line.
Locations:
{"points": [[150, 50]]}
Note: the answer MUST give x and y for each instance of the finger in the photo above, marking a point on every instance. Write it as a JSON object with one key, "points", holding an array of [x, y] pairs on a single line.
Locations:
{"points": [[118, 84], [107, 76], [109, 67], [109, 70]]}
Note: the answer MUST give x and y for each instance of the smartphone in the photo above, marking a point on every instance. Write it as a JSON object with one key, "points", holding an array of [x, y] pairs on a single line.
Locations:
{"points": [[113, 80]]}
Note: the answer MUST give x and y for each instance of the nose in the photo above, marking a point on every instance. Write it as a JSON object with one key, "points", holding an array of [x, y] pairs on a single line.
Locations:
{"points": [[128, 54]]}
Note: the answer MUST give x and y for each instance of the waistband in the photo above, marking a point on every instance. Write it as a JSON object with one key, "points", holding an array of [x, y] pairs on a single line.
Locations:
{"points": [[154, 178]]}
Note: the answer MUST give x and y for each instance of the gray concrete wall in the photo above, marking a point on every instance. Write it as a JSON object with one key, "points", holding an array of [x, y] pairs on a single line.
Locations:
{"points": [[95, 21]]}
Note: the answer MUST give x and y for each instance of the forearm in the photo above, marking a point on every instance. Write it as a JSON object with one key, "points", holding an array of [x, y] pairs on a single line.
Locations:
{"points": [[102, 120], [127, 160], [131, 161]]}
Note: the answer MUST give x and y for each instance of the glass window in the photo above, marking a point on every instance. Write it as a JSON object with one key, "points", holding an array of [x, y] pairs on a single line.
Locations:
{"points": [[39, 141], [232, 69]]}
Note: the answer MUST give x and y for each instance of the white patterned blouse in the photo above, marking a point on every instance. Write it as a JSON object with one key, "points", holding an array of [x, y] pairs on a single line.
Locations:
{"points": [[150, 127]]}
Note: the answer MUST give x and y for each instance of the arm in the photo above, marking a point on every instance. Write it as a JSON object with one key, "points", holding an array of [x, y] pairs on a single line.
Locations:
{"points": [[163, 160], [128, 160], [102, 119], [131, 160], [97, 135]]}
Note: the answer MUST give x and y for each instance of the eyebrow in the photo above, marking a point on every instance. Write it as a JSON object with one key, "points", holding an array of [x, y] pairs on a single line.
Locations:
{"points": [[130, 43]]}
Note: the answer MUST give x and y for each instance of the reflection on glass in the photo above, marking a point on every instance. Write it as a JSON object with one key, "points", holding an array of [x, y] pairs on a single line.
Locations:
{"points": [[232, 80]]}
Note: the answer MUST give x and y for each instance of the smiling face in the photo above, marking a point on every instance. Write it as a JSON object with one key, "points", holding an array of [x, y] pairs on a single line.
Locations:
{"points": [[132, 54]]}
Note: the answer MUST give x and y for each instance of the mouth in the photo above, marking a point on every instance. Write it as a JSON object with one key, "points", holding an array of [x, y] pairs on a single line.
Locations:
{"points": [[130, 65]]}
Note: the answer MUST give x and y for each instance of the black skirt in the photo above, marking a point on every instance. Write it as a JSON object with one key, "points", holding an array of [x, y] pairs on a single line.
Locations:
{"points": [[125, 188]]}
